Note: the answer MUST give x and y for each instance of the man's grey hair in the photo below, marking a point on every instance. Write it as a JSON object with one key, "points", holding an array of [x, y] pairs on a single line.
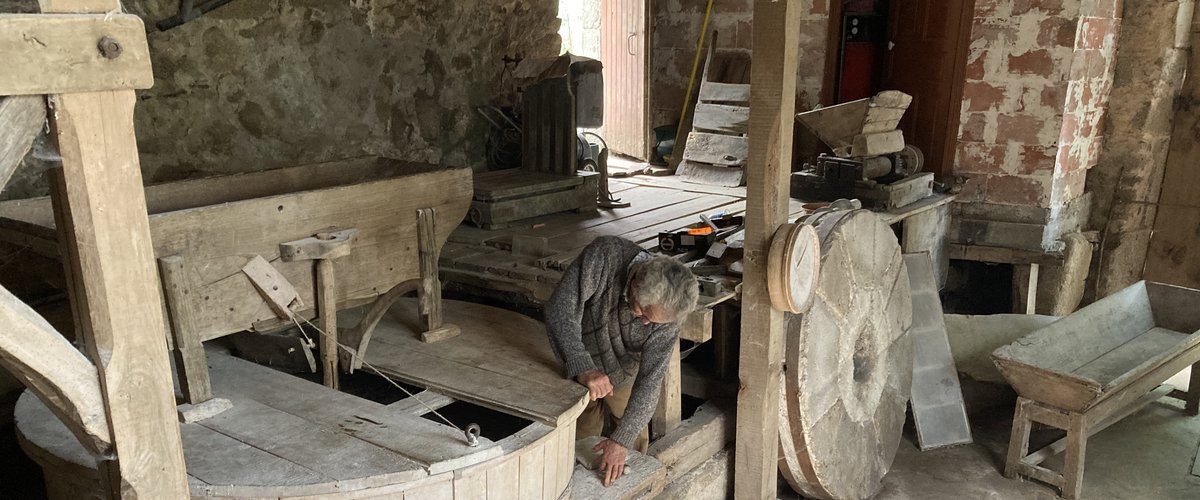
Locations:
{"points": [[666, 283]]}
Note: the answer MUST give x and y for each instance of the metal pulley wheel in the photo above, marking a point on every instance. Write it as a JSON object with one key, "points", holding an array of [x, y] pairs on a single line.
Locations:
{"points": [[848, 362], [793, 264]]}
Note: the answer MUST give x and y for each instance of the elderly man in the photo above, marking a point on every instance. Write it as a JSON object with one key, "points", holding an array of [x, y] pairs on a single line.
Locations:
{"points": [[613, 323]]}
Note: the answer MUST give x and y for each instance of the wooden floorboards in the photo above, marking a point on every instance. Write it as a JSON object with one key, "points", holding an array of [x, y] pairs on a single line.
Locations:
{"points": [[657, 204]]}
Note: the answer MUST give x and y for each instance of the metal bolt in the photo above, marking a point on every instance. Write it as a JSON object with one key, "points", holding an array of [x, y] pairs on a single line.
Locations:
{"points": [[109, 48]]}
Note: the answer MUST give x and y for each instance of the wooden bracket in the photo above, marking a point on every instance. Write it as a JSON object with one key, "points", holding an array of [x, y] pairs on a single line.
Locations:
{"points": [[323, 248], [52, 54], [430, 293], [330, 244]]}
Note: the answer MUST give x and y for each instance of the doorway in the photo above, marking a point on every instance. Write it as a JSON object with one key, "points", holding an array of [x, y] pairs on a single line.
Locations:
{"points": [[615, 32], [918, 47]]}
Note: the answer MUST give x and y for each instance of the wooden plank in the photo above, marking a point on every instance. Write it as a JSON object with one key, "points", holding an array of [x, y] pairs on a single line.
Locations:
{"points": [[124, 323], [644, 477], [274, 288], [430, 292], [713, 92], [314, 446], [667, 414], [532, 463], [462, 381], [699, 438], [437, 447], [714, 175], [441, 490], [1130, 355], [725, 150], [188, 349], [772, 99], [421, 403], [503, 185], [471, 486], [721, 118], [503, 480], [52, 54], [215, 458], [21, 119], [550, 453]]}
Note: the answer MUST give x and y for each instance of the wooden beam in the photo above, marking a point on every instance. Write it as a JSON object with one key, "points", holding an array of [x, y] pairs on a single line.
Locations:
{"points": [[123, 320], [772, 108], [50, 54], [21, 118], [123, 324], [55, 371]]}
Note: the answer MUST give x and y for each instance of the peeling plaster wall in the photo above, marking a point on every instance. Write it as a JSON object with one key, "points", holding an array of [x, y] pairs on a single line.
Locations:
{"points": [[677, 24], [1039, 75], [260, 84], [1174, 248]]}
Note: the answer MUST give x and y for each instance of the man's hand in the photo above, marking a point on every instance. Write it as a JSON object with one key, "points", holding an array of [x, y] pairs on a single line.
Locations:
{"points": [[612, 463], [596, 382]]}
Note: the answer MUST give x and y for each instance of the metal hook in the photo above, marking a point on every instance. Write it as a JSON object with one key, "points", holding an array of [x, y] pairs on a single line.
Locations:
{"points": [[472, 433]]}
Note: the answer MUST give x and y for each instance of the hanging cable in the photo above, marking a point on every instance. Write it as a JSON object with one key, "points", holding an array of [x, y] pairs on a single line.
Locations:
{"points": [[472, 430]]}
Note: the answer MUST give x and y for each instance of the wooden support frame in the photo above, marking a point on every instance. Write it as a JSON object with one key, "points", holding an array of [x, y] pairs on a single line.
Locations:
{"points": [[772, 111], [668, 414], [1079, 427], [89, 57], [121, 317]]}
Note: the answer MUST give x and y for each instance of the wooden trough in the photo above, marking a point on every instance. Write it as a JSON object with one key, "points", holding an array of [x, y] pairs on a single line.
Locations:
{"points": [[1096, 366], [206, 231]]}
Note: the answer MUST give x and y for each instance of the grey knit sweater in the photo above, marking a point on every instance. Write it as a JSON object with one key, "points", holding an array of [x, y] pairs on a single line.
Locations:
{"points": [[592, 327]]}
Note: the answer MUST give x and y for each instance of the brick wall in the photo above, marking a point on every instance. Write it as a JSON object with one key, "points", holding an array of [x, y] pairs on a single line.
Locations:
{"points": [[677, 24], [1038, 79]]}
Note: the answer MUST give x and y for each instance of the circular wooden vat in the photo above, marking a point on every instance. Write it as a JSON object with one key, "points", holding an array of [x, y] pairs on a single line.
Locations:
{"points": [[286, 437]]}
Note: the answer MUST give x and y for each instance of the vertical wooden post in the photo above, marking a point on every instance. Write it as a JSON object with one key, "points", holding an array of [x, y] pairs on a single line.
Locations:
{"points": [[772, 116], [669, 413], [190, 360], [123, 321], [327, 310], [430, 293]]}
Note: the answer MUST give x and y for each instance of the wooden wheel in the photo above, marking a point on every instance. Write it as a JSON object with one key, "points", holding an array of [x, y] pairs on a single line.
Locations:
{"points": [[848, 362]]}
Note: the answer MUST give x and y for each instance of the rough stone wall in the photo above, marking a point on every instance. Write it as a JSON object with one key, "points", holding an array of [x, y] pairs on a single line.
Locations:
{"points": [[1039, 75], [580, 30], [270, 83], [676, 26]]}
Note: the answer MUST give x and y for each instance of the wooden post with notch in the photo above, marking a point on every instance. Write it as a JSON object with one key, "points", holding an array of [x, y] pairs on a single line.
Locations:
{"points": [[429, 295], [117, 285], [190, 360], [323, 248], [772, 115]]}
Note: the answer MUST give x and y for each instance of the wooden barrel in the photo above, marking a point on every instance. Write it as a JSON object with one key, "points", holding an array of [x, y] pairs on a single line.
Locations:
{"points": [[848, 362]]}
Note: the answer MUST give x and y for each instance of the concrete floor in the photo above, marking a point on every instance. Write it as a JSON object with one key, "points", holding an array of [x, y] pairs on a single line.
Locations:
{"points": [[1149, 455]]}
